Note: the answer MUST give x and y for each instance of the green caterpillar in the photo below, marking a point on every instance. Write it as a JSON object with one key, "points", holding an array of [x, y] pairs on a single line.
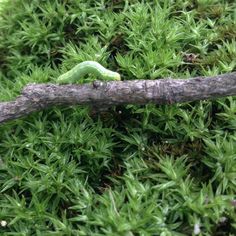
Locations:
{"points": [[88, 67]]}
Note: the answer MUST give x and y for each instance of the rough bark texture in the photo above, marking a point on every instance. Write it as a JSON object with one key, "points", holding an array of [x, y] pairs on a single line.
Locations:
{"points": [[36, 97]]}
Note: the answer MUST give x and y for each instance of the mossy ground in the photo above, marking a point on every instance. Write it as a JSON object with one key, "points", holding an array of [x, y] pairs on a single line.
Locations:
{"points": [[131, 170]]}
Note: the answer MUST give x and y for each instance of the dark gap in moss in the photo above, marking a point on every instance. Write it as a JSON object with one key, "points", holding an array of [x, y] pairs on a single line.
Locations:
{"points": [[224, 228]]}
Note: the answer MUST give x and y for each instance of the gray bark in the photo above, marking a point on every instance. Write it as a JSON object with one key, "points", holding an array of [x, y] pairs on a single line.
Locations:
{"points": [[36, 97]]}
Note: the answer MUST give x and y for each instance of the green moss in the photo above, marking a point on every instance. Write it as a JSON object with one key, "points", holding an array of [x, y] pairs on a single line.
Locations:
{"points": [[131, 170]]}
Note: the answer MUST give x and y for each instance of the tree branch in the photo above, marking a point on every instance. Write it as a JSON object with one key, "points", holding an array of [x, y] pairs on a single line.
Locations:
{"points": [[36, 97]]}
